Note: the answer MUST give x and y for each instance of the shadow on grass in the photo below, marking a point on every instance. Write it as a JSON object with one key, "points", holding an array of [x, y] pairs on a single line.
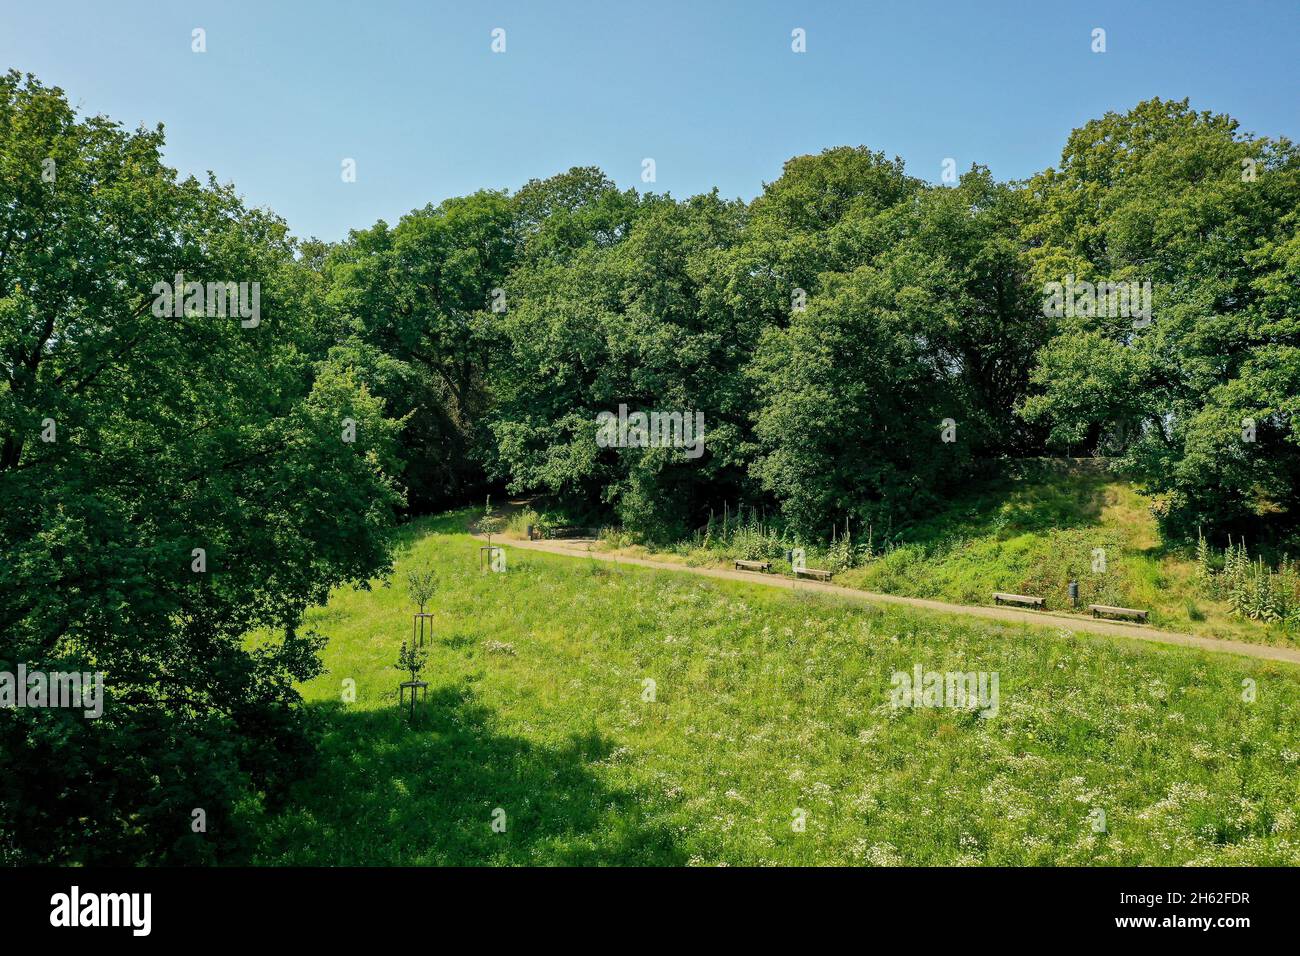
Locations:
{"points": [[1036, 496], [391, 794]]}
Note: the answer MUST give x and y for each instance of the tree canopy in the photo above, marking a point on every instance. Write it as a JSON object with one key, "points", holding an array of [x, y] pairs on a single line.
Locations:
{"points": [[168, 485]]}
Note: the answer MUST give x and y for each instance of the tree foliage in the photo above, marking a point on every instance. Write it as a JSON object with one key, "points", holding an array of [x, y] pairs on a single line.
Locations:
{"points": [[168, 485], [1201, 401], [830, 328]]}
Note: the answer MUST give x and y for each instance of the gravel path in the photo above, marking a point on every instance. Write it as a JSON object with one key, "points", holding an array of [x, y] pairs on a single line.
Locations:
{"points": [[576, 548]]}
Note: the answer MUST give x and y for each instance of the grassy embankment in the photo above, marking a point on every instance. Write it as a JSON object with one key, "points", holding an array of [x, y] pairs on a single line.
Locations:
{"points": [[767, 703], [1026, 535]]}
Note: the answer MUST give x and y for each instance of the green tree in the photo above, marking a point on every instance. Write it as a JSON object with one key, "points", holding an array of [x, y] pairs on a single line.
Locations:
{"points": [[1208, 216], [422, 585], [636, 322], [924, 318], [168, 484], [416, 306]]}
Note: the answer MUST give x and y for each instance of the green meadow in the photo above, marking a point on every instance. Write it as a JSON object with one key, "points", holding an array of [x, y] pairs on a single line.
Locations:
{"points": [[1030, 531], [767, 735]]}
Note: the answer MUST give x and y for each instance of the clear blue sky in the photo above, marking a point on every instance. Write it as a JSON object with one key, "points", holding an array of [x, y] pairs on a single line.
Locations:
{"points": [[709, 88]]}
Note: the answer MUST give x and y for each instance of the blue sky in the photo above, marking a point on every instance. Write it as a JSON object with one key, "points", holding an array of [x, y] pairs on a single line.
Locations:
{"points": [[710, 90]]}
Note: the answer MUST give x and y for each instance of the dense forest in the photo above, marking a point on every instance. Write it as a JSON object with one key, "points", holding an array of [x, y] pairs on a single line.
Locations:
{"points": [[828, 329], [861, 345]]}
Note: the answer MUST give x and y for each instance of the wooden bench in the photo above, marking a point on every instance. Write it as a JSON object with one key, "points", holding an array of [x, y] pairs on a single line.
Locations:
{"points": [[1125, 612], [571, 531], [1022, 599], [812, 573], [753, 565]]}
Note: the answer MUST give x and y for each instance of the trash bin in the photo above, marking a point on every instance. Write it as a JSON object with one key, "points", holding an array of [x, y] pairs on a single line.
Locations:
{"points": [[1074, 594]]}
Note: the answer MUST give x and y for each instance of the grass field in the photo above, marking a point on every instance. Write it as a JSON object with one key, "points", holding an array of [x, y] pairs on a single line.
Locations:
{"points": [[1027, 533], [766, 704]]}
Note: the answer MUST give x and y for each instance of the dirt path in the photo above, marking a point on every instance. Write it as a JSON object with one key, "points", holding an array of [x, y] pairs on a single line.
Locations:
{"points": [[576, 548]]}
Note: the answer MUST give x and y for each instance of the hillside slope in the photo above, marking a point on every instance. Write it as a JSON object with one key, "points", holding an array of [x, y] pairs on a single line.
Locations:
{"points": [[624, 715], [1034, 533], [1030, 532]]}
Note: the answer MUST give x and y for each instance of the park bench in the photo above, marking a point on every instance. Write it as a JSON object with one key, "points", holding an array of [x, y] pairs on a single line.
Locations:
{"points": [[1022, 599], [753, 565], [571, 531], [1125, 612], [814, 573]]}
